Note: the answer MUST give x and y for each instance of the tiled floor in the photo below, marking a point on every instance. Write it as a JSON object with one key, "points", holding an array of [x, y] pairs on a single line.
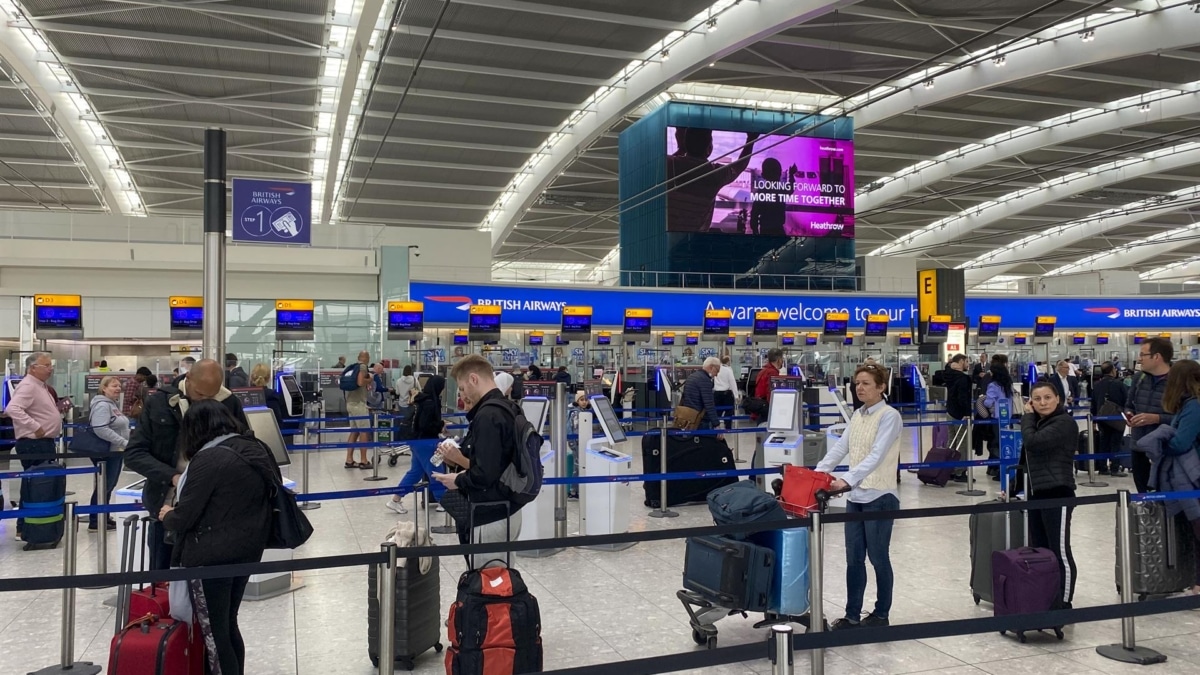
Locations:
{"points": [[601, 607]]}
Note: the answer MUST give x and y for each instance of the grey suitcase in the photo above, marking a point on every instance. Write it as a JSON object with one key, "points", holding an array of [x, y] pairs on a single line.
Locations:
{"points": [[1163, 555], [418, 609], [987, 537]]}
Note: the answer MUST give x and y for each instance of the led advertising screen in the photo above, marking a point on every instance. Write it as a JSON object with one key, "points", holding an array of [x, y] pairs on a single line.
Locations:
{"points": [[776, 185], [187, 318], [47, 316]]}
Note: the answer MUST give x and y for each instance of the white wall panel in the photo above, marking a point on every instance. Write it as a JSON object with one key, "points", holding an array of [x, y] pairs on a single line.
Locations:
{"points": [[10, 317]]}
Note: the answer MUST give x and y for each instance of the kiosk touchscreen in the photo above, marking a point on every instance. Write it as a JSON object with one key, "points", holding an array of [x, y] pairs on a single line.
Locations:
{"points": [[293, 397], [604, 506], [266, 429], [783, 429], [538, 517]]}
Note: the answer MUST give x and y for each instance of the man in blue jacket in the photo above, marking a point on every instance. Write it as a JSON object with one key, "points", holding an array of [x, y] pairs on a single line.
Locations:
{"points": [[698, 393], [1144, 404]]}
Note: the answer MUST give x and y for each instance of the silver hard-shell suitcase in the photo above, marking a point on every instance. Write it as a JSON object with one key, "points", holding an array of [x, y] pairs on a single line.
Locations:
{"points": [[1163, 551]]}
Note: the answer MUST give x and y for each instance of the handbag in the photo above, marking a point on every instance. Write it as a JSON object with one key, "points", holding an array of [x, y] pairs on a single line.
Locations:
{"points": [[85, 442], [687, 418], [1018, 405], [289, 526], [1110, 408], [754, 405]]}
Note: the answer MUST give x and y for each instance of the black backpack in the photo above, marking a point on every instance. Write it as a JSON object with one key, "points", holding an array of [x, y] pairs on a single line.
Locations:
{"points": [[523, 477]]}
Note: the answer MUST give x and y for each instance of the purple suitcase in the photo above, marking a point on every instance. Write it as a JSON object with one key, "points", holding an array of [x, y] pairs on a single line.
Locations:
{"points": [[1026, 581], [938, 476], [941, 436]]}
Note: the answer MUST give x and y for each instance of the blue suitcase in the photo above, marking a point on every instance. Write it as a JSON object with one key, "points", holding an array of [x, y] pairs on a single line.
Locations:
{"points": [[729, 573], [789, 584], [46, 493]]}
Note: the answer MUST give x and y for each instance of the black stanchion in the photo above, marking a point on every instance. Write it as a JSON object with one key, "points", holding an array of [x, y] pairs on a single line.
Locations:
{"points": [[662, 511]]}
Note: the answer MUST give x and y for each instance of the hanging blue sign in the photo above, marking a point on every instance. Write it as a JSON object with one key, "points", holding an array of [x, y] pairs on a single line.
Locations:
{"points": [[272, 212], [527, 305]]}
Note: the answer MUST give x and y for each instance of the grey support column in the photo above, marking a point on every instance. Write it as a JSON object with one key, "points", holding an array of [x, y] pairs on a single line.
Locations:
{"points": [[214, 245]]}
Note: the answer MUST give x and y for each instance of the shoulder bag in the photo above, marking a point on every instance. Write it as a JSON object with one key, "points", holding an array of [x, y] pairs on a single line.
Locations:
{"points": [[289, 526], [687, 418], [1109, 408], [85, 441]]}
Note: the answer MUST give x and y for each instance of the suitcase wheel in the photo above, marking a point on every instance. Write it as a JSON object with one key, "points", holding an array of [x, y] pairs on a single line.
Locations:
{"points": [[1058, 633], [408, 664], [375, 661], [1021, 638], [437, 647], [977, 599]]}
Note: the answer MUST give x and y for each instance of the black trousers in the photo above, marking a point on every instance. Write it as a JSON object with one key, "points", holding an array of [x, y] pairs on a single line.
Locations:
{"points": [[1051, 528], [1108, 441], [1140, 465], [224, 597], [160, 550], [725, 399]]}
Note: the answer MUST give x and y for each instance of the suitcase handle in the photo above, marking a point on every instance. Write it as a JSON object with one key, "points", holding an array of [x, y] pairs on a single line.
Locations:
{"points": [[712, 592], [147, 619], [723, 548]]}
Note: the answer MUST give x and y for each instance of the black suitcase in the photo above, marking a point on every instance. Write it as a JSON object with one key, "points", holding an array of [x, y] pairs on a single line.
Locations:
{"points": [[987, 537], [1163, 551], [685, 453], [418, 606], [43, 492], [729, 573]]}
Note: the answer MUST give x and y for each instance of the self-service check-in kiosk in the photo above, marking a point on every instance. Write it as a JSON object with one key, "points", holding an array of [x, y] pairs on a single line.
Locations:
{"points": [[261, 586], [537, 519], [604, 506], [787, 442], [293, 397]]}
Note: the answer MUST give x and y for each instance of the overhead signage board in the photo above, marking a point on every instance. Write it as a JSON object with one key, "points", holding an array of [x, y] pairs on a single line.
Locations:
{"points": [[638, 322], [187, 316], [58, 316], [406, 320], [576, 322], [294, 319], [483, 322], [527, 305], [716, 324], [272, 212], [766, 324]]}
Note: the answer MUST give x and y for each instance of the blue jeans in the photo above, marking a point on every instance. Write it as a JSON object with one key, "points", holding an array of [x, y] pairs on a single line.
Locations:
{"points": [[864, 540], [112, 468], [423, 469]]}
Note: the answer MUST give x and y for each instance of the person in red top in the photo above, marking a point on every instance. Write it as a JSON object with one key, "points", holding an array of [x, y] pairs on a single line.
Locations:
{"points": [[762, 385]]}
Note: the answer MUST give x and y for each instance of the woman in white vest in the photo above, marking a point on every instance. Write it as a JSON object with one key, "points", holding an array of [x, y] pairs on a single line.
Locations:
{"points": [[871, 447]]}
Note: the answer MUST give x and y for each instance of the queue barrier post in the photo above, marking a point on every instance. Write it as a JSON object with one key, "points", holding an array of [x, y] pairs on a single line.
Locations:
{"points": [[387, 610], [968, 447], [102, 518], [662, 511], [306, 505], [1127, 651], [1091, 449], [816, 571], [374, 451], [67, 662], [779, 647]]}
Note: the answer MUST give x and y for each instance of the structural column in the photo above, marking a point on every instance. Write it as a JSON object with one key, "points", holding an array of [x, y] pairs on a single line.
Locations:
{"points": [[214, 244]]}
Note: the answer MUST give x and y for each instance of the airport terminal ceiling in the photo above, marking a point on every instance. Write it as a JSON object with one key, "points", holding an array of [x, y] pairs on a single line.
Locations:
{"points": [[1066, 134]]}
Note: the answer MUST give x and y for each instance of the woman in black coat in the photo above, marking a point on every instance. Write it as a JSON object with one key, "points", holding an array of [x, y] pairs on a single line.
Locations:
{"points": [[222, 516], [1049, 437]]}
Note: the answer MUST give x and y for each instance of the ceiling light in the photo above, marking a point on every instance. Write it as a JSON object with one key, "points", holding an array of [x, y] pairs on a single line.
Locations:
{"points": [[1087, 35], [928, 84], [713, 64], [712, 24], [998, 61]]}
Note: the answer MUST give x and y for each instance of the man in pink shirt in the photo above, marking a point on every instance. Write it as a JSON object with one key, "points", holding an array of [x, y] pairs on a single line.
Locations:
{"points": [[34, 410]]}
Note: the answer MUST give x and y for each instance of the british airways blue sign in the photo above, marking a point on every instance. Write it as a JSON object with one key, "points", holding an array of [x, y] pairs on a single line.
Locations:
{"points": [[447, 303]]}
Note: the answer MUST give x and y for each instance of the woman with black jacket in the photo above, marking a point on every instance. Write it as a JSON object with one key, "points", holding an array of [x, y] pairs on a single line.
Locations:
{"points": [[1049, 437], [222, 516], [426, 421]]}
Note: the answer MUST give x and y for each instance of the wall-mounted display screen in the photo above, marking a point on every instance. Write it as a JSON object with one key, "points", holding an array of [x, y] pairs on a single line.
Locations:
{"points": [[1078, 339], [1020, 340], [731, 340], [905, 340], [1101, 339], [484, 324], [836, 326], [691, 339], [187, 318], [58, 317], [536, 340], [716, 325], [810, 340], [1139, 339], [294, 320], [776, 186], [848, 341], [989, 327], [787, 340], [560, 340], [636, 325], [668, 340], [462, 339], [406, 322], [876, 329], [766, 326], [577, 324], [937, 329], [1044, 327], [604, 339]]}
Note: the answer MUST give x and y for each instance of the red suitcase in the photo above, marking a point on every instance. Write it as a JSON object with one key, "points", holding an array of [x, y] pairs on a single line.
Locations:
{"points": [[154, 599], [153, 646]]}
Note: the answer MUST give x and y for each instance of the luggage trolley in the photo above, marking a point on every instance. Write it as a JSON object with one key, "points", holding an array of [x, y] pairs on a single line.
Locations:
{"points": [[789, 583]]}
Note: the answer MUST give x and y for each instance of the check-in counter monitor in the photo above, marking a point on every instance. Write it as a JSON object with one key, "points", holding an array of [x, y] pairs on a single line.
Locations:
{"points": [[536, 409]]}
